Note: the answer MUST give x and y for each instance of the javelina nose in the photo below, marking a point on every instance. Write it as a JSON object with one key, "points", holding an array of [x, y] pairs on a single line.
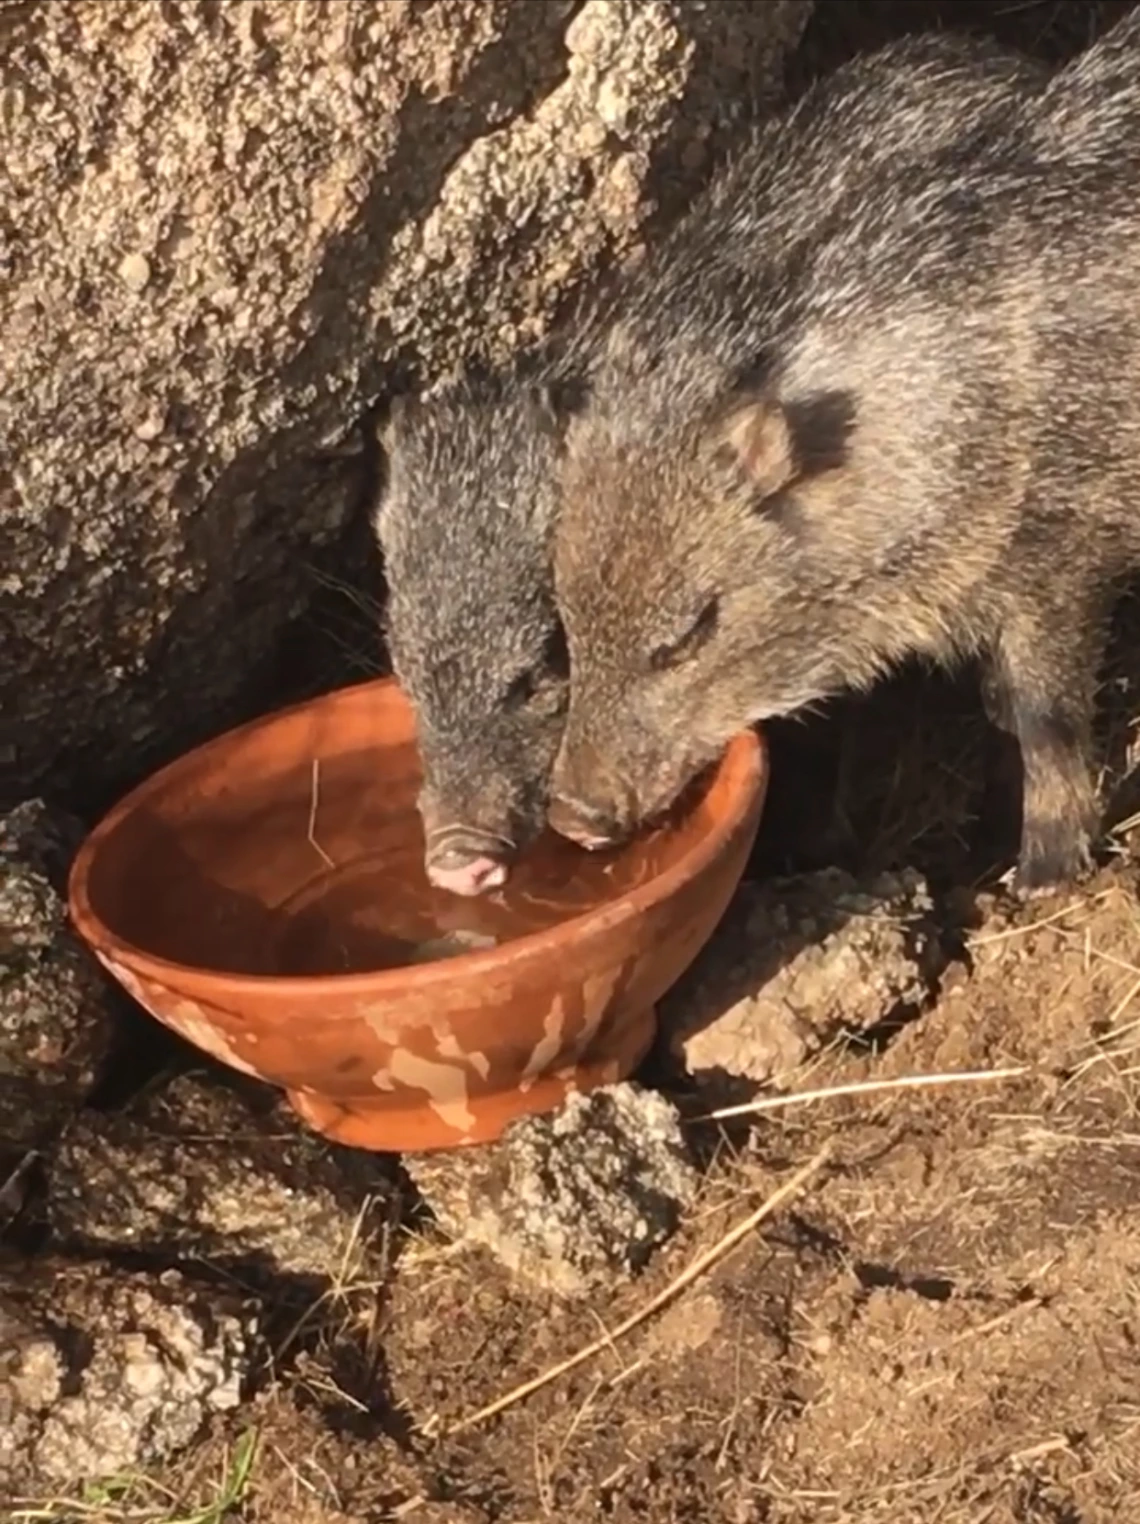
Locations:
{"points": [[465, 859], [467, 877], [584, 824]]}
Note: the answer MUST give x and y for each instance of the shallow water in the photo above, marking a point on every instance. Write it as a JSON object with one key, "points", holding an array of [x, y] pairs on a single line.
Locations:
{"points": [[381, 912], [318, 869]]}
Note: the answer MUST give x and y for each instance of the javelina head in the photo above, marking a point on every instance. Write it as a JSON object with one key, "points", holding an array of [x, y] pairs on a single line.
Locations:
{"points": [[472, 631], [684, 576]]}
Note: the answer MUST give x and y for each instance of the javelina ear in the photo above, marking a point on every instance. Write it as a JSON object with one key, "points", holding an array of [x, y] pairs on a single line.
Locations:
{"points": [[562, 398], [757, 435], [393, 419]]}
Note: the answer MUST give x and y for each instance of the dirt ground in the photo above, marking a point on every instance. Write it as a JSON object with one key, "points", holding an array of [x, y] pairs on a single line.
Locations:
{"points": [[943, 1327]]}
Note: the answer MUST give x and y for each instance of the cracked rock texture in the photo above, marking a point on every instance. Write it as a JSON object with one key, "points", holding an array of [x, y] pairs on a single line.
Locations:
{"points": [[226, 228], [102, 1372], [797, 961], [197, 1172], [570, 1199], [55, 1019]]}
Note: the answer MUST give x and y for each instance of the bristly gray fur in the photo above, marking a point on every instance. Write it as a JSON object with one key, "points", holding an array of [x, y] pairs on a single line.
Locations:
{"points": [[909, 426], [467, 519], [464, 528]]}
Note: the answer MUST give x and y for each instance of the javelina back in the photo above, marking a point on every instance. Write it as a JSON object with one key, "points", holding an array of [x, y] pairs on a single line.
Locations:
{"points": [[464, 527], [1093, 103], [917, 431], [466, 521], [874, 115]]}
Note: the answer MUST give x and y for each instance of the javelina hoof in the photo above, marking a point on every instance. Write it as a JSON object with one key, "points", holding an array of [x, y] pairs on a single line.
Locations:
{"points": [[1053, 860]]}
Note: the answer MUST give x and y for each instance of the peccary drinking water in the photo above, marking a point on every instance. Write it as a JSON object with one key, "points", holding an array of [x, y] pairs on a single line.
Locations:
{"points": [[917, 431], [466, 522], [464, 527]]}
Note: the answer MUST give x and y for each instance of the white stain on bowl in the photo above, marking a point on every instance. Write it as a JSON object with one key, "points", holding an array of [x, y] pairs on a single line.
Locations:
{"points": [[374, 1016], [184, 1017], [444, 1084], [197, 1028], [544, 1050], [449, 1046], [479, 1062], [598, 992]]}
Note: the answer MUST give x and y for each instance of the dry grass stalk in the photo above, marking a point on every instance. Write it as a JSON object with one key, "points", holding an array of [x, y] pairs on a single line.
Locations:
{"points": [[314, 803], [864, 1087]]}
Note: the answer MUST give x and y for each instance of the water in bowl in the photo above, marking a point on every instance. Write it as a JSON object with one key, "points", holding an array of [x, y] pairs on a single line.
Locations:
{"points": [[379, 911], [315, 871]]}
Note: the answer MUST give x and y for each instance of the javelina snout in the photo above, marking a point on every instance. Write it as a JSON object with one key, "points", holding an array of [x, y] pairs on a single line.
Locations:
{"points": [[462, 859], [590, 804], [470, 834], [476, 820], [472, 630], [487, 748], [601, 796]]}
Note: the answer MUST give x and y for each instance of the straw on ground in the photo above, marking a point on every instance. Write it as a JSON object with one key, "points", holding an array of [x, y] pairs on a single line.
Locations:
{"points": [[864, 1087], [693, 1272]]}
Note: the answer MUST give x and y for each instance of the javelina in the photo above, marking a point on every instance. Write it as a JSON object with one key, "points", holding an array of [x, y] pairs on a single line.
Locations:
{"points": [[915, 432], [465, 525]]}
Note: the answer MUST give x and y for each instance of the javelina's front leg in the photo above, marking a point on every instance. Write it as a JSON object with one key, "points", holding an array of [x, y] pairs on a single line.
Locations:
{"points": [[1040, 684]]}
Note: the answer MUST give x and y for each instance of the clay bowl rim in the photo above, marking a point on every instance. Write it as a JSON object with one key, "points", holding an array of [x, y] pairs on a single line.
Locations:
{"points": [[746, 754]]}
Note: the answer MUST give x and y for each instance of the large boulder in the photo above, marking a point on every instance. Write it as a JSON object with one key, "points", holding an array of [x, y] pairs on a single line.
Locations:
{"points": [[227, 227]]}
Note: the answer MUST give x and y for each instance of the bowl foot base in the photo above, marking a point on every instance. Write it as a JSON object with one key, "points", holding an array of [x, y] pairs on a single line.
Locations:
{"points": [[386, 1126]]}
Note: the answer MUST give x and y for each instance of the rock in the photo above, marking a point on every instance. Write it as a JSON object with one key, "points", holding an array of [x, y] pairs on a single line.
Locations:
{"points": [[197, 1173], [798, 961], [55, 1015], [570, 1199], [101, 1372], [226, 228]]}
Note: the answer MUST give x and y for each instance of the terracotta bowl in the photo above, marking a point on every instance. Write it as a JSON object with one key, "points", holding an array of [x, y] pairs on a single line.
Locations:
{"points": [[264, 896]]}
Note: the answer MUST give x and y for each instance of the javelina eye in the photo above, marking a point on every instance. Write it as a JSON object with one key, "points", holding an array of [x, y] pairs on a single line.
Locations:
{"points": [[522, 689], [556, 653], [543, 679], [674, 652]]}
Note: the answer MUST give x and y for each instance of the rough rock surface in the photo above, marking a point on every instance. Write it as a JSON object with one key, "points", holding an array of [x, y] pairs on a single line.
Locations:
{"points": [[197, 1172], [226, 227], [101, 1372], [570, 1199], [798, 961], [55, 1020]]}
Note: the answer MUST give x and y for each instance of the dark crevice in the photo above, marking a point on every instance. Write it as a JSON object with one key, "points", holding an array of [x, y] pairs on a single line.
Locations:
{"points": [[932, 1288], [838, 29], [873, 1041]]}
